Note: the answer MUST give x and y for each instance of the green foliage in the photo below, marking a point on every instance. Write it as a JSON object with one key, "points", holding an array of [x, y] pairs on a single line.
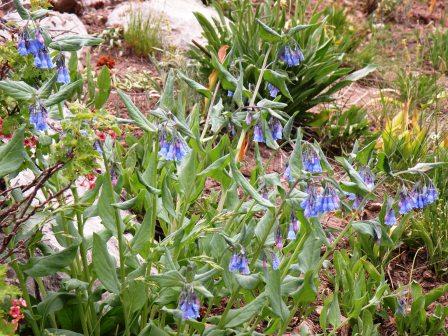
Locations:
{"points": [[311, 83], [143, 33], [438, 50]]}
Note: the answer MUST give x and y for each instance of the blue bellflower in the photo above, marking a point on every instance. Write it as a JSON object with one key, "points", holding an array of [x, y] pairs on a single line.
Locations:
{"points": [[431, 193], [276, 129], [43, 60], [258, 133], [174, 149], [273, 90], [38, 117], [311, 161], [275, 261], [291, 56], [229, 93], [287, 174], [63, 75], [406, 202], [311, 204], [239, 264], [329, 200], [189, 304], [390, 219], [278, 239], [291, 233], [368, 177]]}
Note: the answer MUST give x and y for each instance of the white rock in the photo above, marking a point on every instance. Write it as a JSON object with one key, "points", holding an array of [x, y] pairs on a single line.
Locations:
{"points": [[182, 25], [57, 24]]}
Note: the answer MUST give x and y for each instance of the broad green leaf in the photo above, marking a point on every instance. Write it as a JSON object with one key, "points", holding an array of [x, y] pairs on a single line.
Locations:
{"points": [[354, 175], [169, 279], [187, 173], [74, 43], [273, 291], [62, 332], [220, 164], [236, 317], [152, 330], [103, 84], [268, 34], [247, 187], [422, 167], [295, 161], [298, 28], [126, 205], [53, 302], [104, 265], [167, 99], [249, 282], [216, 118], [141, 238], [106, 211], [12, 154], [195, 85], [17, 89], [65, 92], [307, 292], [135, 113], [310, 253], [47, 87], [264, 226], [50, 264]]}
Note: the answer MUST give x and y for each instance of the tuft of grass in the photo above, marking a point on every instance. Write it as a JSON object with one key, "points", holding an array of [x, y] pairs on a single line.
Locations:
{"points": [[438, 51], [144, 33]]}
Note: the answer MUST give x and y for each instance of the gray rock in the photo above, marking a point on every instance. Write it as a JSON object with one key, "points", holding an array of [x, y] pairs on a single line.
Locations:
{"points": [[179, 25]]}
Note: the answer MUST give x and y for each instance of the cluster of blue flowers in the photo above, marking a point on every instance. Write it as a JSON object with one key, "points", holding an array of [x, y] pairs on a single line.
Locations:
{"points": [[317, 203], [38, 116], [273, 90], [239, 263], [311, 160], [293, 228], [36, 47], [174, 149], [421, 196], [291, 56], [42, 60], [189, 304], [275, 127]]}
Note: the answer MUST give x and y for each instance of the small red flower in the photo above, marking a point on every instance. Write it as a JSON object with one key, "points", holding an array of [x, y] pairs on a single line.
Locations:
{"points": [[106, 60], [30, 142]]}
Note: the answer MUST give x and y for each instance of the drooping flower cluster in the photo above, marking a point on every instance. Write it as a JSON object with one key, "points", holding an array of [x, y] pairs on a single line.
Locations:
{"points": [[311, 160], [239, 263], [317, 203], [291, 56], [424, 195], [36, 47], [287, 174], [38, 116], [173, 149], [189, 304], [275, 127]]}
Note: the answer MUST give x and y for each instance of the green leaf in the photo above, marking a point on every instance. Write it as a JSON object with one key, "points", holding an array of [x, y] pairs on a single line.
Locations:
{"points": [[422, 167], [53, 302], [126, 205], [74, 43], [103, 84], [152, 330], [62, 332], [299, 28], [17, 89], [249, 282], [135, 113], [65, 92], [264, 226], [279, 80], [295, 161], [187, 173], [357, 75], [354, 175], [47, 87], [268, 34], [167, 99], [12, 154], [220, 164], [307, 292], [236, 317], [273, 291], [50, 264], [195, 85], [169, 279], [23, 12], [310, 254], [247, 187], [106, 211], [216, 118], [104, 265]]}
